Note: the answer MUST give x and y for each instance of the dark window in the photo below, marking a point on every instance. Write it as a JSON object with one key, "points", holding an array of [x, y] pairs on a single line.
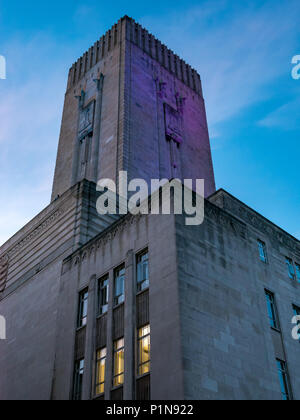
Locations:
{"points": [[262, 251], [142, 271], [144, 350], [296, 310], [82, 308], [143, 388], [119, 286], [78, 379], [100, 371], [118, 374], [272, 310], [284, 380], [291, 269], [103, 290], [298, 272]]}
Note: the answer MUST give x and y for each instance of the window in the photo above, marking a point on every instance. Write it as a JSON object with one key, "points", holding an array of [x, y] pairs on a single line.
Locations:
{"points": [[118, 362], [291, 269], [296, 310], [272, 310], [103, 289], [78, 379], [142, 271], [100, 371], [119, 285], [284, 380], [144, 350], [298, 272], [82, 308], [262, 251]]}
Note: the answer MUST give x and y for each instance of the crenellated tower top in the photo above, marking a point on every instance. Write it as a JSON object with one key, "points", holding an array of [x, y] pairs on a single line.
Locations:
{"points": [[127, 28]]}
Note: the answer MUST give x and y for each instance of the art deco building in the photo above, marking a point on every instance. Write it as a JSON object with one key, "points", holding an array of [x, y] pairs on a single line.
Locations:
{"points": [[145, 307]]}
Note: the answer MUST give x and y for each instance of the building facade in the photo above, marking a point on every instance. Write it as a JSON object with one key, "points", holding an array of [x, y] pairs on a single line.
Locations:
{"points": [[144, 307]]}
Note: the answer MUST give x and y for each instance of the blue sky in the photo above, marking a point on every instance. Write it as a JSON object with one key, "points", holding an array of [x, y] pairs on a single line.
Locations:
{"points": [[243, 51]]}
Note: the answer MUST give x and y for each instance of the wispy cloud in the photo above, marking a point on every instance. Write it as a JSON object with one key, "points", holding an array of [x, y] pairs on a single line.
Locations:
{"points": [[30, 111], [239, 50]]}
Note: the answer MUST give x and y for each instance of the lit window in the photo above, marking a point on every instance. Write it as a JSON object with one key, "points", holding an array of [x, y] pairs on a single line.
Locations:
{"points": [[284, 380], [103, 290], [291, 268], [78, 379], [144, 350], [100, 371], [272, 310], [262, 251], [298, 272], [119, 288], [142, 271], [82, 308], [118, 362]]}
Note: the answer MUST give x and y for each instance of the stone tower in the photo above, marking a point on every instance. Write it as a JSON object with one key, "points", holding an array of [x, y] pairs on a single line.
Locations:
{"points": [[132, 104]]}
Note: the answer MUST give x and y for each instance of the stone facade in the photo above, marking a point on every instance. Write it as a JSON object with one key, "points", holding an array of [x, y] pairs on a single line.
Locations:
{"points": [[132, 104], [146, 112]]}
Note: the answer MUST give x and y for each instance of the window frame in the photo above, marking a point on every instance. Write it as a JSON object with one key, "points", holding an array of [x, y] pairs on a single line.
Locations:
{"points": [[103, 309], [121, 374], [272, 309], [99, 359], [262, 249], [296, 310], [291, 268], [119, 299], [140, 363], [284, 380], [78, 379], [143, 284], [297, 266], [81, 318]]}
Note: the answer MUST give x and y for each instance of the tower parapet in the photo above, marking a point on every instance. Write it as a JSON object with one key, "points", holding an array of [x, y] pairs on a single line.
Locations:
{"points": [[128, 29]]}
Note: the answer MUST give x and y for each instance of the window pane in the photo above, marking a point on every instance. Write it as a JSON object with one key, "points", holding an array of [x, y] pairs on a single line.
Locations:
{"points": [[82, 309], [262, 251], [118, 362], [272, 311], [144, 349], [119, 286], [298, 272], [100, 371], [142, 271], [291, 269], [78, 380], [283, 379], [103, 295]]}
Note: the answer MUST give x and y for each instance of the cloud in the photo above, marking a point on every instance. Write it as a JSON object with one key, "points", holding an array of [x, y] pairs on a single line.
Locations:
{"points": [[286, 117], [31, 103], [239, 50]]}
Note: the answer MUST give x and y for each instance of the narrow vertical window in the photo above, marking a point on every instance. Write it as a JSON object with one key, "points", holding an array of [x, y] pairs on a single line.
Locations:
{"points": [[296, 310], [118, 362], [284, 380], [103, 290], [272, 310], [262, 251], [298, 272], [144, 350], [78, 380], [291, 269], [119, 286], [142, 271], [100, 371], [82, 308]]}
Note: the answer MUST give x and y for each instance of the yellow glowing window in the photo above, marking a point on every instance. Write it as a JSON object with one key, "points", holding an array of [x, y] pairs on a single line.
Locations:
{"points": [[144, 350], [100, 371], [118, 362]]}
